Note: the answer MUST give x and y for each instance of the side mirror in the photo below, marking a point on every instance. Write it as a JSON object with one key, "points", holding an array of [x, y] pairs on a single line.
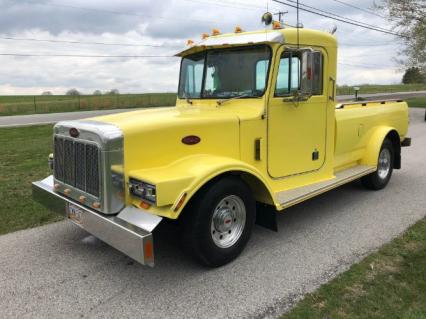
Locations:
{"points": [[311, 73]]}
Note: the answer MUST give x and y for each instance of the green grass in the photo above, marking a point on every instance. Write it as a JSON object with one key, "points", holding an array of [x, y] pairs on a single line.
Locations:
{"points": [[388, 284], [417, 102], [28, 104], [371, 88], [23, 159]]}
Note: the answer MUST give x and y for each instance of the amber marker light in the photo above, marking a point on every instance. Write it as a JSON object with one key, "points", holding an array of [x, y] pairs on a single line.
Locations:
{"points": [[96, 205], [56, 187], [67, 191], [189, 42], [144, 205], [276, 25], [215, 32], [180, 202], [82, 199], [148, 251], [238, 29], [205, 35]]}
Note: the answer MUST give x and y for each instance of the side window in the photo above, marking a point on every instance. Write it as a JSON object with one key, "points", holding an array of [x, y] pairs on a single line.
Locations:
{"points": [[302, 71], [288, 79], [261, 74]]}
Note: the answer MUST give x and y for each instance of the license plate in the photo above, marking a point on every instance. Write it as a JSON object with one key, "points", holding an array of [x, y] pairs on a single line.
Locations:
{"points": [[75, 213]]}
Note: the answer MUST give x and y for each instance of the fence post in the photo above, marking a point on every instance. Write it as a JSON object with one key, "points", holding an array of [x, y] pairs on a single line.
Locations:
{"points": [[35, 105], [79, 106]]}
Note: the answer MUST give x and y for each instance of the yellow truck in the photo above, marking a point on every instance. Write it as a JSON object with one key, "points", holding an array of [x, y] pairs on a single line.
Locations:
{"points": [[256, 129]]}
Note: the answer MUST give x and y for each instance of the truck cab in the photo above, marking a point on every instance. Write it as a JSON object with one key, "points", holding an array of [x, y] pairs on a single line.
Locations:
{"points": [[255, 129]]}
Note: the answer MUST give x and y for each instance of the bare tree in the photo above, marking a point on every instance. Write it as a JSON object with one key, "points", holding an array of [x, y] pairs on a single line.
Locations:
{"points": [[46, 93], [73, 92], [409, 19]]}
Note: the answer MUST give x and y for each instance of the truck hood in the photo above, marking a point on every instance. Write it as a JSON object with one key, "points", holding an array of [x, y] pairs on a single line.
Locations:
{"points": [[153, 137]]}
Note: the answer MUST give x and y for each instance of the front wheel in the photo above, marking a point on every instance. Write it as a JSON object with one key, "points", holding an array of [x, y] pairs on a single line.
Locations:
{"points": [[219, 222], [380, 178]]}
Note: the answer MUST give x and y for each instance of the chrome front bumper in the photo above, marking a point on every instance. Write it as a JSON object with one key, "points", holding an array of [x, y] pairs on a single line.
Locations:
{"points": [[130, 231]]}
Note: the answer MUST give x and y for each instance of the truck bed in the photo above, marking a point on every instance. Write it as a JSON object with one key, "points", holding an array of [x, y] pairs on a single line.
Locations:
{"points": [[356, 122]]}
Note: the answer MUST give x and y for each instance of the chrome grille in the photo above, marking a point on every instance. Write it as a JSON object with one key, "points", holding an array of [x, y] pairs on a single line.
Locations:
{"points": [[77, 164]]}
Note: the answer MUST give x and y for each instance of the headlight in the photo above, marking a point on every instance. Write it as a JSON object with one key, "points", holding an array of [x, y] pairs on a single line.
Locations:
{"points": [[143, 190]]}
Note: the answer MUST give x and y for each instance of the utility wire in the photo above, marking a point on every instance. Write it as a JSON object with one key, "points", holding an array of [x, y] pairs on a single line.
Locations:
{"points": [[122, 13], [83, 55], [341, 19], [85, 42], [336, 15], [360, 9], [368, 66]]}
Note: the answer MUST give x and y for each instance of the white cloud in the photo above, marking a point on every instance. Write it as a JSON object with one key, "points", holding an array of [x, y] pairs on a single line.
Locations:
{"points": [[169, 23]]}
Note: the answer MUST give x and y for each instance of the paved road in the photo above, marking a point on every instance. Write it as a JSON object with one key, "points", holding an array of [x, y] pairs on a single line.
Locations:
{"points": [[35, 119], [59, 271]]}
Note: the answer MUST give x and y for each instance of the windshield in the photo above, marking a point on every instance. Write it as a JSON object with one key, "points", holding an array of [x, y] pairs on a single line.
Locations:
{"points": [[225, 73]]}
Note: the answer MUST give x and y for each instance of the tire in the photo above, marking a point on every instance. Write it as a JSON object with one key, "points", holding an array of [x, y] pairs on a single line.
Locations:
{"points": [[380, 178], [219, 222]]}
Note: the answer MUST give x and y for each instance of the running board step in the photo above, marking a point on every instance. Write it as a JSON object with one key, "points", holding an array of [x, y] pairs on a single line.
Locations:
{"points": [[294, 196]]}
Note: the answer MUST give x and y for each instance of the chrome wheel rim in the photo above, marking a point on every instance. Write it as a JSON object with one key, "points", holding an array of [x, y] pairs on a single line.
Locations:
{"points": [[228, 221], [384, 163]]}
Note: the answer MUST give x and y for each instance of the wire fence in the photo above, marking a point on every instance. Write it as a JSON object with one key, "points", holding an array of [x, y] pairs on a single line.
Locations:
{"points": [[25, 104]]}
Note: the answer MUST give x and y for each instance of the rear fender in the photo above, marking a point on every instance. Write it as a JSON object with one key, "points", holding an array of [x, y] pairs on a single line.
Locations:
{"points": [[372, 150]]}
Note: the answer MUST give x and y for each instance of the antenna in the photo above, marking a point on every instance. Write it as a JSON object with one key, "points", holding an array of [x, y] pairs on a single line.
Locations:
{"points": [[297, 24]]}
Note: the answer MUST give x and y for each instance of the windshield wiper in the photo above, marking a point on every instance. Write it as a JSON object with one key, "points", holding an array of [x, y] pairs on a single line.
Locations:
{"points": [[221, 102]]}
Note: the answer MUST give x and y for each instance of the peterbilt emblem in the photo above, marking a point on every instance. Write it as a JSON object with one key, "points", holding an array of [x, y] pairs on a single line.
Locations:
{"points": [[74, 132], [191, 140]]}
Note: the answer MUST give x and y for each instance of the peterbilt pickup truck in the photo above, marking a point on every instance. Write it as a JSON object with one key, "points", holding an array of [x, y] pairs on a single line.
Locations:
{"points": [[256, 129]]}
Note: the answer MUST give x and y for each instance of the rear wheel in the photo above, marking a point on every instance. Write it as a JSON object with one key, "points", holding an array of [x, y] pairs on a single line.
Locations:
{"points": [[220, 222], [380, 178]]}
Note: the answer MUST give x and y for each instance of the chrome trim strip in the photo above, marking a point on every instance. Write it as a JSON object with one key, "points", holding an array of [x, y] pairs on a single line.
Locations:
{"points": [[128, 232]]}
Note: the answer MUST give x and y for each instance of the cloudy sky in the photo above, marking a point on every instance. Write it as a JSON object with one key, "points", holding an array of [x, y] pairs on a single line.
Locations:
{"points": [[162, 27]]}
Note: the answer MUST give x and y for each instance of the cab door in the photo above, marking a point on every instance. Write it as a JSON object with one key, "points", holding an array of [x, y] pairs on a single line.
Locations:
{"points": [[297, 113]]}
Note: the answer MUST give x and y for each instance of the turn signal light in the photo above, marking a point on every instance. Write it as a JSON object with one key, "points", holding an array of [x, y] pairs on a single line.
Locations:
{"points": [[215, 32], [144, 205]]}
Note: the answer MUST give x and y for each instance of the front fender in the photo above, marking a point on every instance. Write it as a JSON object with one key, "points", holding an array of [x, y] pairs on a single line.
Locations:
{"points": [[187, 176], [372, 150]]}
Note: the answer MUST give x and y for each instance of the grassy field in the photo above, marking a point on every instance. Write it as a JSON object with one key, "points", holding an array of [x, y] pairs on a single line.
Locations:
{"points": [[23, 159], [369, 89], [388, 284], [417, 102], [27, 104]]}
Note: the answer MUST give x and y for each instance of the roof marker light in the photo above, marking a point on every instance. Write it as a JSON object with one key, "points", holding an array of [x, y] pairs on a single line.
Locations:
{"points": [[276, 25], [215, 32], [205, 35], [238, 29], [189, 42]]}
